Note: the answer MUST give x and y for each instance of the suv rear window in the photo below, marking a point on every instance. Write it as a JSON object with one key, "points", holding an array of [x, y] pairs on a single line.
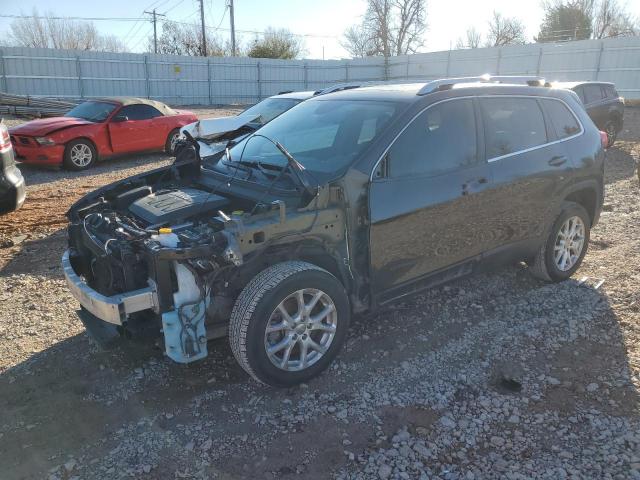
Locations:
{"points": [[439, 140], [610, 91], [512, 124], [564, 122]]}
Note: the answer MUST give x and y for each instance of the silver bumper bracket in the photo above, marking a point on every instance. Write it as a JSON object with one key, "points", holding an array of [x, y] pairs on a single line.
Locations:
{"points": [[113, 309]]}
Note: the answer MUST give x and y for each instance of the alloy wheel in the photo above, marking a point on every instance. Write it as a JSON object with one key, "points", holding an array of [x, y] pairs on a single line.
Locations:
{"points": [[301, 329], [569, 243], [81, 155]]}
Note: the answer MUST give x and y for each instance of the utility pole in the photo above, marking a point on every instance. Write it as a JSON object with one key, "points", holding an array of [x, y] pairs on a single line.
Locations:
{"points": [[154, 20], [204, 38], [233, 29]]}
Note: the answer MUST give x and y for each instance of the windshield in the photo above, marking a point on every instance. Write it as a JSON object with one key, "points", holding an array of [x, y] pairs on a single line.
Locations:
{"points": [[270, 108], [92, 111], [324, 136]]}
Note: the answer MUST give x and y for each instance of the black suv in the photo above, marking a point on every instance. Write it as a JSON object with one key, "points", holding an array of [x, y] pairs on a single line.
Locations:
{"points": [[603, 104], [341, 204]]}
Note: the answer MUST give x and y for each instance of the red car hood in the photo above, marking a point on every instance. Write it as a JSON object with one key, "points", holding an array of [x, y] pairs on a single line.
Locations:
{"points": [[45, 126]]}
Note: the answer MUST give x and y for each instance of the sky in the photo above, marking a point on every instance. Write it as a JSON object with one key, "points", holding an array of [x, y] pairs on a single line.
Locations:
{"points": [[322, 22]]}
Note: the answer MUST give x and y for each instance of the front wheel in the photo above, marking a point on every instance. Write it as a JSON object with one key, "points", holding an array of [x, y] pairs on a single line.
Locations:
{"points": [[79, 155], [289, 323], [565, 247]]}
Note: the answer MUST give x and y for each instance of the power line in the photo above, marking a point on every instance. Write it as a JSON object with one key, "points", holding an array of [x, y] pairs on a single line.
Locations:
{"points": [[137, 19]]}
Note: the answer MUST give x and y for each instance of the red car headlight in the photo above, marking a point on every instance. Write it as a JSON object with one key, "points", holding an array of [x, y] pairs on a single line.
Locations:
{"points": [[45, 141]]}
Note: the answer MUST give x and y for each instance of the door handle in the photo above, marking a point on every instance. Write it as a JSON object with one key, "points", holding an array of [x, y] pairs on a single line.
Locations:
{"points": [[557, 160]]}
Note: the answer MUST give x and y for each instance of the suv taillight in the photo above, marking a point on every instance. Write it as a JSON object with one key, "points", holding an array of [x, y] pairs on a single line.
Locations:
{"points": [[5, 140], [604, 139]]}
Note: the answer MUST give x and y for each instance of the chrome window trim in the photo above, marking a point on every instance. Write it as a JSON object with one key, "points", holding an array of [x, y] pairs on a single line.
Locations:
{"points": [[480, 97], [530, 149]]}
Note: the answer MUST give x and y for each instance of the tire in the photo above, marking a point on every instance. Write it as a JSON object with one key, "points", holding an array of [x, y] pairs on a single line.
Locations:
{"points": [[258, 306], [545, 265], [79, 155], [611, 128], [170, 144]]}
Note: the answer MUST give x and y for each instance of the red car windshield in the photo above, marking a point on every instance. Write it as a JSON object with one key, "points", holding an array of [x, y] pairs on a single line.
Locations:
{"points": [[92, 111]]}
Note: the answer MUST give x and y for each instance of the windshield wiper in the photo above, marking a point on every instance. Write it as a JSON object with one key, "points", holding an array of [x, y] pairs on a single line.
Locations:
{"points": [[298, 169]]}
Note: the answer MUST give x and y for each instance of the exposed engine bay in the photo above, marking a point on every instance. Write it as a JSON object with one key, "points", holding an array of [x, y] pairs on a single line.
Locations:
{"points": [[195, 242]]}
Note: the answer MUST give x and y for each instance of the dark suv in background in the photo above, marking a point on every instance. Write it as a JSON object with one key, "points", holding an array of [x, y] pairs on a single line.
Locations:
{"points": [[342, 204], [603, 104]]}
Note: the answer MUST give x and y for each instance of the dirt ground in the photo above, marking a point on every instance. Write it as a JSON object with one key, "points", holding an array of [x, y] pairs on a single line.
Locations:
{"points": [[494, 376]]}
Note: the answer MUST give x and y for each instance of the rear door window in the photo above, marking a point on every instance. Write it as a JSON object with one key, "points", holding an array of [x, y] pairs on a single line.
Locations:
{"points": [[564, 122], [592, 93], [511, 125], [441, 139]]}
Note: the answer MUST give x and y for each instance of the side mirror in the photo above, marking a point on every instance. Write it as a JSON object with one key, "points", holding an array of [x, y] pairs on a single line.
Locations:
{"points": [[119, 118]]}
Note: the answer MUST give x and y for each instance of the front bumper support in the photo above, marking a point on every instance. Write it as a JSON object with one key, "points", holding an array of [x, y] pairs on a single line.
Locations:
{"points": [[113, 309]]}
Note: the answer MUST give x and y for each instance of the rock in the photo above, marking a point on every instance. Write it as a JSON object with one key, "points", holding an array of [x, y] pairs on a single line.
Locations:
{"points": [[447, 422], [206, 445], [497, 441], [70, 465], [592, 387], [384, 471]]}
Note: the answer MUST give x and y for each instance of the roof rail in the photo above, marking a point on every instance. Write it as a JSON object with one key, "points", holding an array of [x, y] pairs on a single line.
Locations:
{"points": [[448, 83], [339, 87]]}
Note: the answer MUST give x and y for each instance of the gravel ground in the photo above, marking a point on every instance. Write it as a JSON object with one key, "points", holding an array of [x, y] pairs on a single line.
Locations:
{"points": [[494, 376]]}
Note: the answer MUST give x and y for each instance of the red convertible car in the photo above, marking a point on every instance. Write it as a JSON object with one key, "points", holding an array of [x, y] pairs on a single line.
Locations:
{"points": [[98, 129]]}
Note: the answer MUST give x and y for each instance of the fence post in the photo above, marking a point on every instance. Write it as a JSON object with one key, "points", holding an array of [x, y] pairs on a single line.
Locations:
{"points": [[386, 68], [209, 78], [408, 61], [499, 58], [146, 77], [5, 87], [599, 59], [539, 62], [346, 71], [306, 75], [259, 81], [79, 73], [448, 63]]}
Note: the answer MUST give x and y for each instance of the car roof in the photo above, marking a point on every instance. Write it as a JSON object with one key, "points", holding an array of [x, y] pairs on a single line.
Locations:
{"points": [[124, 101], [295, 95]]}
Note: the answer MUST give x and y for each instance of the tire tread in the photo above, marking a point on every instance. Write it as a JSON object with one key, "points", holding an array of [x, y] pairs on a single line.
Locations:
{"points": [[247, 301]]}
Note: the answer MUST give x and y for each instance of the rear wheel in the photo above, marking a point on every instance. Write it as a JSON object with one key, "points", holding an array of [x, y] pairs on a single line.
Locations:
{"points": [[566, 245], [611, 128], [79, 155], [172, 141], [289, 323]]}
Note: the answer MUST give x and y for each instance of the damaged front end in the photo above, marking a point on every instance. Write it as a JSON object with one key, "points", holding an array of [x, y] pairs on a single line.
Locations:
{"points": [[169, 251]]}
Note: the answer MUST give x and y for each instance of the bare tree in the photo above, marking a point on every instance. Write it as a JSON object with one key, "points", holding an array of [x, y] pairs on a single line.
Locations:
{"points": [[186, 39], [505, 31], [472, 39], [390, 27], [276, 43], [610, 19], [359, 42], [47, 32]]}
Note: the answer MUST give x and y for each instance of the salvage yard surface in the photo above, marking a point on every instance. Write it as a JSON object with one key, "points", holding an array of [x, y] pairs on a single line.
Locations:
{"points": [[495, 376]]}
